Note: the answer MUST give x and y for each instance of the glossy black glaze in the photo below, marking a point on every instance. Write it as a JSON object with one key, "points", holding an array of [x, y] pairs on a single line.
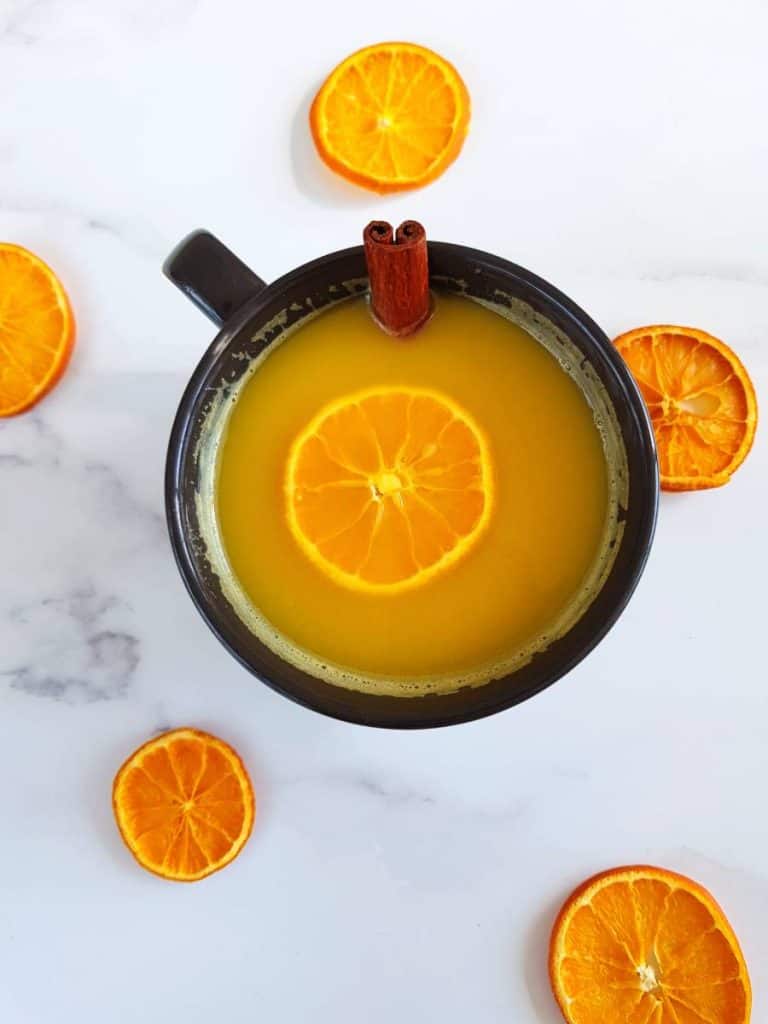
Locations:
{"points": [[201, 267], [211, 276]]}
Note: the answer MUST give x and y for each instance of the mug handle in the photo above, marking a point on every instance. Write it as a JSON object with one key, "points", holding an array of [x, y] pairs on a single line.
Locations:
{"points": [[211, 276]]}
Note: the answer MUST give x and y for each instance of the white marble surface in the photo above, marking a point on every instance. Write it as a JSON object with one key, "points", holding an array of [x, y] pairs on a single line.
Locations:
{"points": [[618, 149]]}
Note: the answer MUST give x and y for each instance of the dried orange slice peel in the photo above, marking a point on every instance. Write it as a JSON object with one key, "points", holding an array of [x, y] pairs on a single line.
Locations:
{"points": [[387, 487], [184, 805], [701, 400], [37, 329], [391, 117], [641, 945]]}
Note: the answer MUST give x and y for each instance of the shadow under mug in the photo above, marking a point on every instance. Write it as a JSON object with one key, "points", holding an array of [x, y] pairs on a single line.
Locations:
{"points": [[250, 316]]}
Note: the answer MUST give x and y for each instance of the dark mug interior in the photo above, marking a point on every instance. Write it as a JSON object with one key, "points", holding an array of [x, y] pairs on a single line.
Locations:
{"points": [[252, 317]]}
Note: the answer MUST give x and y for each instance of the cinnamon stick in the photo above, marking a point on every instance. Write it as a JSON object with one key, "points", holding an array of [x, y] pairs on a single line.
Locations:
{"points": [[398, 271]]}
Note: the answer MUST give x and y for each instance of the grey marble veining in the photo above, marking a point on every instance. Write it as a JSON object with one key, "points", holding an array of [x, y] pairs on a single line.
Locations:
{"points": [[616, 150], [78, 642], [136, 236], [82, 659]]}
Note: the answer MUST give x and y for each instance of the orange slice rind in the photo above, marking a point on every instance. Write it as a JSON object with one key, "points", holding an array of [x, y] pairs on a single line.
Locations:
{"points": [[642, 945], [391, 117], [37, 329], [701, 401], [184, 804]]}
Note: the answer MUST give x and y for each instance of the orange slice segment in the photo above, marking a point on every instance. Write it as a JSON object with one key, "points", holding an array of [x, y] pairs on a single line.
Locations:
{"points": [[184, 805], [37, 329], [641, 945], [391, 116], [701, 400], [387, 487]]}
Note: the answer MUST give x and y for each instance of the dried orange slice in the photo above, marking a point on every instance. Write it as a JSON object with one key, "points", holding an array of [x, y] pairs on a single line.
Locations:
{"points": [[391, 116], [37, 329], [641, 945], [701, 400], [389, 486], [184, 804]]}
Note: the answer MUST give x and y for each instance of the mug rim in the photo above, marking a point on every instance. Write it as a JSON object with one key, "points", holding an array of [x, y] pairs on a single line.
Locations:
{"points": [[333, 703]]}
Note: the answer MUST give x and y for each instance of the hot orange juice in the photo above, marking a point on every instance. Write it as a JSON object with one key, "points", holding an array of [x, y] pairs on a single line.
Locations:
{"points": [[407, 515]]}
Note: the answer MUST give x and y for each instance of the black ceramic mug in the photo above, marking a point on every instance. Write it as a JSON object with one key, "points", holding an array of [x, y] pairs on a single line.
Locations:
{"points": [[250, 316]]}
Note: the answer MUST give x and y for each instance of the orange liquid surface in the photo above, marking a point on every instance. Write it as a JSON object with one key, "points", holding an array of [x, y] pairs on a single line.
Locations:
{"points": [[549, 508]]}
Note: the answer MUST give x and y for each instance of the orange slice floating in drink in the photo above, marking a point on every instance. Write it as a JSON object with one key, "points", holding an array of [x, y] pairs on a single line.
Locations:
{"points": [[388, 487]]}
